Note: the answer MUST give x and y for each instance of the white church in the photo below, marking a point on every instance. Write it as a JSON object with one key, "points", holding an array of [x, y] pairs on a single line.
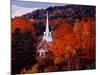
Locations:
{"points": [[47, 39]]}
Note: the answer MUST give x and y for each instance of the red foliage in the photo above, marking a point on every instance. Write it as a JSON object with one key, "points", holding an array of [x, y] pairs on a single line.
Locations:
{"points": [[23, 25], [67, 40], [50, 69]]}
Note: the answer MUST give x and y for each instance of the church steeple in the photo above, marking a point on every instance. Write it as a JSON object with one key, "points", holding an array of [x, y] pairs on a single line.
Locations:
{"points": [[47, 34], [47, 24]]}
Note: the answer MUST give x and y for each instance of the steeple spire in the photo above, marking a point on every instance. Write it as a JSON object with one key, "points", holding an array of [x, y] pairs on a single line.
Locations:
{"points": [[47, 24]]}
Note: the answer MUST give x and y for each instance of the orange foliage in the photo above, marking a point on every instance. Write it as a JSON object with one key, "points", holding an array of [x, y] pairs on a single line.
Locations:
{"points": [[22, 24], [50, 69], [66, 41], [81, 37], [34, 69], [61, 30]]}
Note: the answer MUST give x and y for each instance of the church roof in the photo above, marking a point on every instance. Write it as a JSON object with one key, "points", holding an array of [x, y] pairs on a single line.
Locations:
{"points": [[45, 45]]}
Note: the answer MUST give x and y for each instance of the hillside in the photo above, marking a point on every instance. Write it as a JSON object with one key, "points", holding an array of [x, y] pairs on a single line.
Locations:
{"points": [[74, 11]]}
